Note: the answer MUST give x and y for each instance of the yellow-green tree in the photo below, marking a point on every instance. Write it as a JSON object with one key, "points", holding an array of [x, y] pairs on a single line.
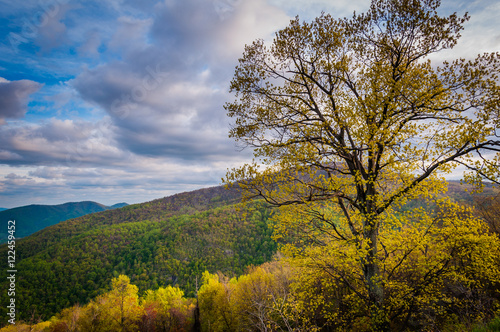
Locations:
{"points": [[116, 310], [215, 303], [257, 301], [261, 298], [67, 320], [92, 318], [350, 117], [166, 309], [437, 267]]}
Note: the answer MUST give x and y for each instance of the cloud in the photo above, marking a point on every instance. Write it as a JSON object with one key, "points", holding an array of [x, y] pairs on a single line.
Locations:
{"points": [[14, 97], [483, 23], [13, 176], [130, 34], [51, 31], [90, 47], [165, 95], [143, 179], [214, 31], [158, 114], [61, 142], [251, 20]]}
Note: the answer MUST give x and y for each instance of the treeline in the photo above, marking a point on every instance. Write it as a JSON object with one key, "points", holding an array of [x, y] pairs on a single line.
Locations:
{"points": [[174, 251], [121, 309], [157, 210]]}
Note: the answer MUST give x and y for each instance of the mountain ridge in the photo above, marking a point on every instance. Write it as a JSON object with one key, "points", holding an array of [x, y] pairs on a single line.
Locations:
{"points": [[35, 217]]}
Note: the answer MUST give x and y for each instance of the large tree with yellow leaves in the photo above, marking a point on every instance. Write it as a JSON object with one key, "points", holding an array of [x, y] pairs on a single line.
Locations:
{"points": [[350, 116]]}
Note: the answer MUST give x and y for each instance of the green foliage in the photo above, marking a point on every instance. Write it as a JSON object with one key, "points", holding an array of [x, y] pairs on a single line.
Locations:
{"points": [[153, 243], [122, 310], [492, 326]]}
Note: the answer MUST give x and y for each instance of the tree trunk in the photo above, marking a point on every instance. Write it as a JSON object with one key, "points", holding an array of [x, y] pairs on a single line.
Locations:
{"points": [[372, 277], [197, 324]]}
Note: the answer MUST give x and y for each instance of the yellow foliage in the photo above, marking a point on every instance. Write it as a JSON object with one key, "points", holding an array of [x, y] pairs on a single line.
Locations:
{"points": [[257, 301], [166, 309], [214, 300], [18, 327], [21, 327], [117, 310], [350, 117], [430, 263]]}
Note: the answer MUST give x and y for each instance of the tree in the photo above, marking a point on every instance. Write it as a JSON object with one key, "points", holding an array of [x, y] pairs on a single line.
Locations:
{"points": [[260, 298], [93, 316], [168, 308], [116, 310], [353, 111], [256, 301], [214, 300], [436, 267], [66, 320], [124, 299]]}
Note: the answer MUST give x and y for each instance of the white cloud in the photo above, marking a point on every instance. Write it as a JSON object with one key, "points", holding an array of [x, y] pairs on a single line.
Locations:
{"points": [[250, 20], [90, 47]]}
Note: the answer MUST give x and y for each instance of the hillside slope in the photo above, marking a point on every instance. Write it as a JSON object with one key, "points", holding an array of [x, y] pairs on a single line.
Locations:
{"points": [[169, 241]]}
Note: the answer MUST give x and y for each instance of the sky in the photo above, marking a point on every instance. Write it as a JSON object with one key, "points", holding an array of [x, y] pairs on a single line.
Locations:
{"points": [[122, 101]]}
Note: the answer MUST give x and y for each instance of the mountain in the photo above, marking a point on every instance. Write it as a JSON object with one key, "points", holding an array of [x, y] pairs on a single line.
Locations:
{"points": [[169, 241], [3, 209], [117, 205], [32, 218]]}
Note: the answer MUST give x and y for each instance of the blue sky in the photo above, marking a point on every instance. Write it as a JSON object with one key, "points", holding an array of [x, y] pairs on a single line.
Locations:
{"points": [[122, 100]]}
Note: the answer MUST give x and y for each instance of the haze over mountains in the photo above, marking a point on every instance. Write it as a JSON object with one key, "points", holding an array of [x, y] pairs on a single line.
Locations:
{"points": [[32, 218]]}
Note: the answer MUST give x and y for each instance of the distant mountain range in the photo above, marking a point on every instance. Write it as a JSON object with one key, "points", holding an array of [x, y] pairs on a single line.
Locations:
{"points": [[32, 218], [3, 209]]}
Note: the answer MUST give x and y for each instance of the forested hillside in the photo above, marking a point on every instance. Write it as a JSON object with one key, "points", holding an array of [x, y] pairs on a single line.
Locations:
{"points": [[170, 241]]}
